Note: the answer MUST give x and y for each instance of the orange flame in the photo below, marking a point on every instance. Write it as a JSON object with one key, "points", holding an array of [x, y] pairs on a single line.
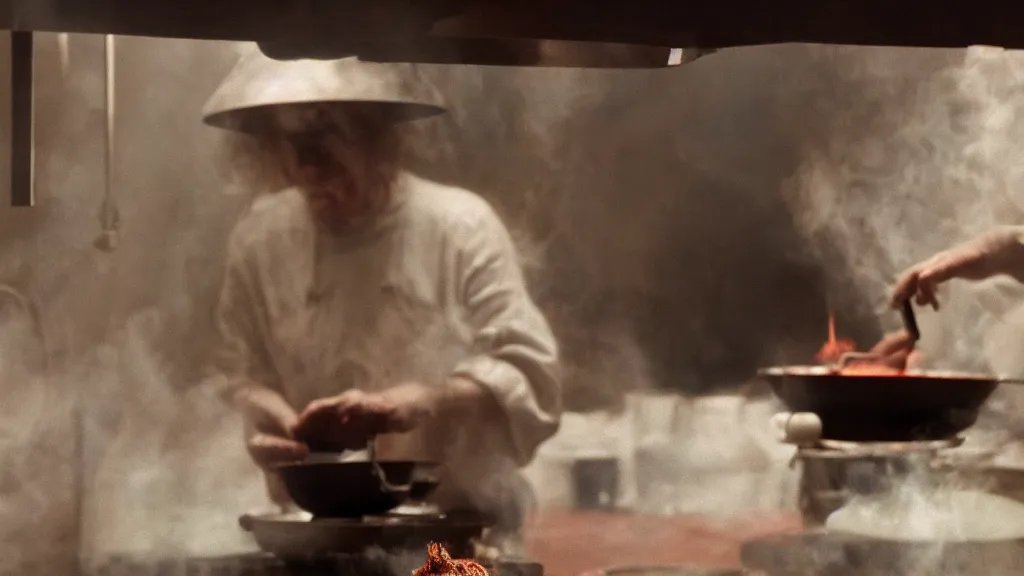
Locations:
{"points": [[834, 349]]}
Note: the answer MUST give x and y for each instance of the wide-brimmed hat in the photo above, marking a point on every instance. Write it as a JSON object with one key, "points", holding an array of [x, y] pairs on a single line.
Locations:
{"points": [[259, 87]]}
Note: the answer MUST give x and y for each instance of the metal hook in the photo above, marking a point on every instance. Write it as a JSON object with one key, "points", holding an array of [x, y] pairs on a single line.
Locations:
{"points": [[110, 217], [378, 471]]}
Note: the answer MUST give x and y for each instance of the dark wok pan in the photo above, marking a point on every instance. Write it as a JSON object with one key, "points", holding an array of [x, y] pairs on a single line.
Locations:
{"points": [[348, 489], [878, 408], [293, 536]]}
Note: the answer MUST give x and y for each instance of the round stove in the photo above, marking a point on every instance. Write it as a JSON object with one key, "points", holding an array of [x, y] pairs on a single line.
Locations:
{"points": [[369, 564], [297, 536]]}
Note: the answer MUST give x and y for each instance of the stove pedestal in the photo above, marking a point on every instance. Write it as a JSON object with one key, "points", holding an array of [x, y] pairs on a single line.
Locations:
{"points": [[833, 470]]}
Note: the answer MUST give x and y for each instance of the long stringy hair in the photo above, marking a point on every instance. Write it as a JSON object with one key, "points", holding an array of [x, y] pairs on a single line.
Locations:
{"points": [[343, 156]]}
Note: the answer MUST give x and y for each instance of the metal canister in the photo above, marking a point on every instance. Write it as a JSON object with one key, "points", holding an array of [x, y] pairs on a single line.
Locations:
{"points": [[828, 481]]}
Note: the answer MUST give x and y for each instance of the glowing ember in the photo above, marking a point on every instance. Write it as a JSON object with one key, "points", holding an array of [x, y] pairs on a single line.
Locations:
{"points": [[834, 349], [440, 563]]}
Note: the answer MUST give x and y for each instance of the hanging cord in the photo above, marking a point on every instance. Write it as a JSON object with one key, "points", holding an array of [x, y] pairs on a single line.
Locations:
{"points": [[110, 217]]}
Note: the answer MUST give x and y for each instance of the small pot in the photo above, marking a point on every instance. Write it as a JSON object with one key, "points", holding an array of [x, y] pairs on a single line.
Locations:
{"points": [[329, 489]]}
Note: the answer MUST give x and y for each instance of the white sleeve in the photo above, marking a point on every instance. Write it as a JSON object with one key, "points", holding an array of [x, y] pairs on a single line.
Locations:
{"points": [[240, 357], [516, 356]]}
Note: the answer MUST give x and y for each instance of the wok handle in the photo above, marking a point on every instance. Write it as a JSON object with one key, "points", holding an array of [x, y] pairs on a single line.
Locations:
{"points": [[910, 320]]}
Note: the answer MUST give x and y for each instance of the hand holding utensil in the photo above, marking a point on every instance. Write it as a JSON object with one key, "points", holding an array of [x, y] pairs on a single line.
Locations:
{"points": [[378, 471], [344, 422], [910, 320]]}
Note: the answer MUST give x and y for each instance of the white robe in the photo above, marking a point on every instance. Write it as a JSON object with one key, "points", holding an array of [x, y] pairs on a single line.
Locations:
{"points": [[431, 289]]}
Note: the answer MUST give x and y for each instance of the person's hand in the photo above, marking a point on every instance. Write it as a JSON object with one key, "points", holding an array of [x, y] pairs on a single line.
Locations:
{"points": [[896, 350], [271, 422], [349, 420], [990, 254]]}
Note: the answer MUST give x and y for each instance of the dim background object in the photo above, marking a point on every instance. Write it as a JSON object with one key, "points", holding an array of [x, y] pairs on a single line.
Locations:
{"points": [[23, 114], [997, 479], [596, 482], [513, 567], [527, 52], [646, 22], [720, 464]]}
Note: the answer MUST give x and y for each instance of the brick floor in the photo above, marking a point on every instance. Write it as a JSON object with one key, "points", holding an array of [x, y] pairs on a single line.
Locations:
{"points": [[571, 543]]}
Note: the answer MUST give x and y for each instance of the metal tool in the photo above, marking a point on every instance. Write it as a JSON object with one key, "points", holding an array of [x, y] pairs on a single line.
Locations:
{"points": [[110, 217], [910, 320], [378, 471]]}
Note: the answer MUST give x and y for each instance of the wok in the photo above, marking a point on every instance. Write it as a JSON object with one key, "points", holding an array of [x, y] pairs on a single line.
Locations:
{"points": [[867, 407], [348, 489]]}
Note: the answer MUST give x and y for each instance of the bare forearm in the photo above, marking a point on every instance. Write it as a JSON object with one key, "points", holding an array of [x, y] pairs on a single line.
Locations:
{"points": [[246, 391], [457, 397], [462, 396], [1011, 261]]}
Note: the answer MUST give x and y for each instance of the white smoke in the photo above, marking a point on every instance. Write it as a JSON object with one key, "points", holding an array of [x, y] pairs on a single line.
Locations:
{"points": [[914, 166], [922, 154], [172, 469]]}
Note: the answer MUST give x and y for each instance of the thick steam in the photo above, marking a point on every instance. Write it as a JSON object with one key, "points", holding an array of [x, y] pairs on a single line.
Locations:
{"points": [[914, 166], [623, 215]]}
